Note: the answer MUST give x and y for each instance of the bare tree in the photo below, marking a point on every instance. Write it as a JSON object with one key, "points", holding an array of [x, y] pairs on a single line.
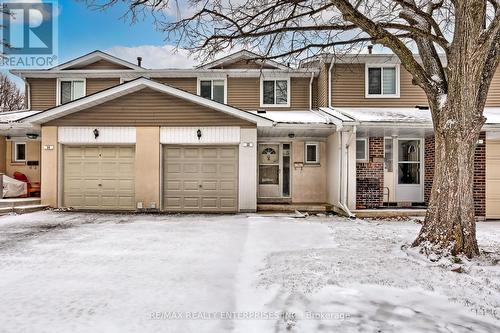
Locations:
{"points": [[458, 43], [11, 97]]}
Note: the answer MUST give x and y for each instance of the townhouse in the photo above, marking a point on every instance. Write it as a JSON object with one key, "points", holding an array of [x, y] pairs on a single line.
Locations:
{"points": [[235, 135]]}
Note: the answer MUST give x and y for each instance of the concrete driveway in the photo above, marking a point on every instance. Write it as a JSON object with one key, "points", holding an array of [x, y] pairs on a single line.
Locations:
{"points": [[75, 272]]}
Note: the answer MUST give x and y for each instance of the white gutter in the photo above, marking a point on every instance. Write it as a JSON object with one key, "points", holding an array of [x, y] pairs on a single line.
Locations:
{"points": [[310, 91], [330, 84]]}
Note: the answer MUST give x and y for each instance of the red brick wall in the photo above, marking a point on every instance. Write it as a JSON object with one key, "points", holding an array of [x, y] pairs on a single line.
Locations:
{"points": [[480, 177], [429, 159], [370, 176], [479, 173]]}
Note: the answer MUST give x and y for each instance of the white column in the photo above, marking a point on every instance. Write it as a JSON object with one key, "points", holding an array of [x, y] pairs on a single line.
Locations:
{"points": [[248, 170]]}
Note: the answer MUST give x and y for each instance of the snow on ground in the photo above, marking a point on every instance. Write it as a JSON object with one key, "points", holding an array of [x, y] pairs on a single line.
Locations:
{"points": [[76, 272]]}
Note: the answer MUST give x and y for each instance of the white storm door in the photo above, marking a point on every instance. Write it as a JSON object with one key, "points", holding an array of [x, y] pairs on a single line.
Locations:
{"points": [[409, 179]]}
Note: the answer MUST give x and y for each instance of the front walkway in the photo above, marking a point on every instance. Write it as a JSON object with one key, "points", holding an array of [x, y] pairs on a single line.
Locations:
{"points": [[76, 272]]}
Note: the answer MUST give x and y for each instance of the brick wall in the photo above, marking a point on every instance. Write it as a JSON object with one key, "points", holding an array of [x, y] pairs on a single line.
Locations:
{"points": [[370, 176], [480, 177], [479, 173], [429, 158]]}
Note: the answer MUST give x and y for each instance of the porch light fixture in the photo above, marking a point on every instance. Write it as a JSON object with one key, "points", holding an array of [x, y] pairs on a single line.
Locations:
{"points": [[96, 133], [32, 136], [198, 134]]}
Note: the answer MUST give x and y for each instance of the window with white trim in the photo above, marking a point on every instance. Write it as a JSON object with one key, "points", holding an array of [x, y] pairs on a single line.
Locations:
{"points": [[275, 92], [382, 81], [70, 89], [212, 89], [362, 150], [312, 152], [19, 151]]}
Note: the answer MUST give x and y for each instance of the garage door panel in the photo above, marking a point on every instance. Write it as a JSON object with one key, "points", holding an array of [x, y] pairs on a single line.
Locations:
{"points": [[196, 178], [98, 177], [493, 179]]}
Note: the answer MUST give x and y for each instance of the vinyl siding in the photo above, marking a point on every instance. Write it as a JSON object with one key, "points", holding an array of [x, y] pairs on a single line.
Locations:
{"points": [[244, 93], [149, 108], [187, 84], [94, 85], [243, 64], [494, 92], [348, 89], [101, 64], [43, 93]]}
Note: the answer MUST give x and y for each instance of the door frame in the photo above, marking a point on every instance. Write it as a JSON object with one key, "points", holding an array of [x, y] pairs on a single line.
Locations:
{"points": [[280, 170], [396, 169]]}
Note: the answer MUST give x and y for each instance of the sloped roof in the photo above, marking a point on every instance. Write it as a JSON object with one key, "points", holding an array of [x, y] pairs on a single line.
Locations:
{"points": [[242, 55], [94, 56], [136, 85]]}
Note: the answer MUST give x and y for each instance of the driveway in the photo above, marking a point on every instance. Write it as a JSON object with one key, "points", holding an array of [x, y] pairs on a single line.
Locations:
{"points": [[76, 272]]}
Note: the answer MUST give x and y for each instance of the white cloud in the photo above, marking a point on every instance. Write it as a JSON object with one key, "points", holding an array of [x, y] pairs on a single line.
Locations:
{"points": [[154, 56]]}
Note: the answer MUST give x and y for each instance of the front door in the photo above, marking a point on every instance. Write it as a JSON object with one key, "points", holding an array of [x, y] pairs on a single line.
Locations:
{"points": [[274, 170], [409, 179]]}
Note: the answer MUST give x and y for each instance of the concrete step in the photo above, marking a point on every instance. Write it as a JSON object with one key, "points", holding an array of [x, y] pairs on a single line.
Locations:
{"points": [[389, 213], [15, 202], [301, 207], [22, 209]]}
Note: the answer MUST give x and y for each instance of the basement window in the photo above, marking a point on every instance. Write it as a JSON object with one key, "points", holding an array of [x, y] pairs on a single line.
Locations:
{"points": [[213, 89], [361, 150], [19, 151], [382, 81], [70, 89], [312, 152]]}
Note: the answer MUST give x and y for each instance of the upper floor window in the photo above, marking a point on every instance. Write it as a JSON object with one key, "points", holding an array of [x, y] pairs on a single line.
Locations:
{"points": [[275, 93], [212, 89], [382, 81], [70, 89]]}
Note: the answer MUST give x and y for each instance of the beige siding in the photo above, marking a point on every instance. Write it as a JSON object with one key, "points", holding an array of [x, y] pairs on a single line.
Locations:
{"points": [[348, 89], [149, 108], [322, 85], [243, 64], [94, 85], [147, 157], [494, 92], [244, 93], [32, 154], [187, 84], [101, 64], [49, 167], [42, 93]]}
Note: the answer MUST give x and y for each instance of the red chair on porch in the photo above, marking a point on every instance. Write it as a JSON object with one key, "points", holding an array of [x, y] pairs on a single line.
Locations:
{"points": [[33, 188]]}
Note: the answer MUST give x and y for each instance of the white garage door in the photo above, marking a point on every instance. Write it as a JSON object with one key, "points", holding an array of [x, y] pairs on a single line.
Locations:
{"points": [[200, 179], [493, 179], [99, 177]]}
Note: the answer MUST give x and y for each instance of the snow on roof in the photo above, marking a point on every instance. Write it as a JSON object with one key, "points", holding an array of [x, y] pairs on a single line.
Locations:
{"points": [[11, 116], [335, 113], [295, 117], [492, 115], [396, 115]]}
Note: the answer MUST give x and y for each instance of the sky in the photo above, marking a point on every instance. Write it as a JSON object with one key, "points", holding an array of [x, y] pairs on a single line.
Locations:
{"points": [[82, 30]]}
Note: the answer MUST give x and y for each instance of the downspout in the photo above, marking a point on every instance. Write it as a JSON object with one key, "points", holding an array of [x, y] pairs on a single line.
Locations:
{"points": [[344, 177], [330, 83], [310, 91]]}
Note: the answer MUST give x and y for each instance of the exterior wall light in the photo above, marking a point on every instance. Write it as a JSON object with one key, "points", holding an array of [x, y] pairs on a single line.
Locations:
{"points": [[96, 133], [198, 134]]}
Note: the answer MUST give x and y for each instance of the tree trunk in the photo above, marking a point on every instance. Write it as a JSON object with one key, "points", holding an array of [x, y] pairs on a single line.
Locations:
{"points": [[449, 225]]}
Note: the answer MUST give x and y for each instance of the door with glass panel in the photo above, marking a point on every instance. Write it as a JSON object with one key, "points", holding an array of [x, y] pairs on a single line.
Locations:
{"points": [[274, 170], [409, 179]]}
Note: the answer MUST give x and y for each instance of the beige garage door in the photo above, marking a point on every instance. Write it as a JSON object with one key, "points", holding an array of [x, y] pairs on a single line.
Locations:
{"points": [[493, 179], [99, 177], [200, 179]]}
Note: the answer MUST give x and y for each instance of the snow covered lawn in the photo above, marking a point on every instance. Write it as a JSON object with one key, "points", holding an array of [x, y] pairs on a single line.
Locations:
{"points": [[75, 272]]}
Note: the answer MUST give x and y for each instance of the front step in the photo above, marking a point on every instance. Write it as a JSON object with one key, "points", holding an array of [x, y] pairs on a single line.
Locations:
{"points": [[22, 209], [15, 202], [301, 207]]}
